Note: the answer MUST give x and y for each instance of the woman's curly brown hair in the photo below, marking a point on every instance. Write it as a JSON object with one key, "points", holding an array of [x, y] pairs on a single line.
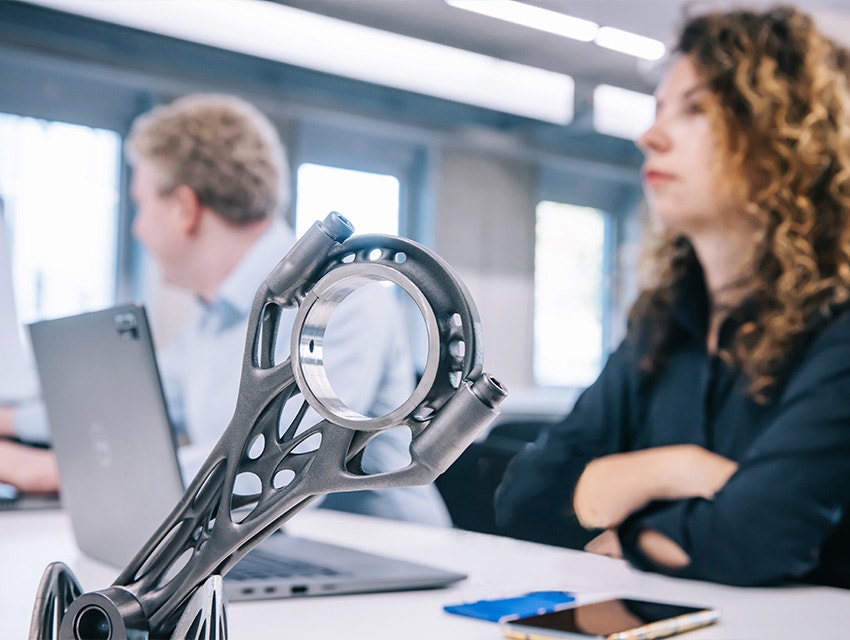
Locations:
{"points": [[783, 109]]}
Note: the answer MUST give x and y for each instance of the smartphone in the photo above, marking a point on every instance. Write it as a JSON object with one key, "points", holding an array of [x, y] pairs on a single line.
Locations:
{"points": [[615, 619]]}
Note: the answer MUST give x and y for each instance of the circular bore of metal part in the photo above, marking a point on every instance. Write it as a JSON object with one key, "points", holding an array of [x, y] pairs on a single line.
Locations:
{"points": [[308, 337]]}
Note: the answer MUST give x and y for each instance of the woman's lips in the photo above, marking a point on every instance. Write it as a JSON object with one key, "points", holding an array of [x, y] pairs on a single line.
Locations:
{"points": [[653, 176]]}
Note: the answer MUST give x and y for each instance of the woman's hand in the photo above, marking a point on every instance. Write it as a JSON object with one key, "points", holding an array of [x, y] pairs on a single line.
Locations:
{"points": [[606, 544], [29, 469], [615, 486], [662, 550]]}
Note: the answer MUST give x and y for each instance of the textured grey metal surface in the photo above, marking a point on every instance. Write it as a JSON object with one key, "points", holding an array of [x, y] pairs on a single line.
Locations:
{"points": [[173, 584]]}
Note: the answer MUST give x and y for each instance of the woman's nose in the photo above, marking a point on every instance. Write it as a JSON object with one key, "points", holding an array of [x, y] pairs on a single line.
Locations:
{"points": [[653, 139]]}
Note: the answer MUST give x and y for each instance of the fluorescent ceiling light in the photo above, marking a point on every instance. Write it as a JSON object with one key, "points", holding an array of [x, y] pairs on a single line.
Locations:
{"points": [[622, 113], [530, 16], [562, 24], [277, 32], [630, 43]]}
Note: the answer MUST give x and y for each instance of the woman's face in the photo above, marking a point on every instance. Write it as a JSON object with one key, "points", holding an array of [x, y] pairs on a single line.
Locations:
{"points": [[684, 158]]}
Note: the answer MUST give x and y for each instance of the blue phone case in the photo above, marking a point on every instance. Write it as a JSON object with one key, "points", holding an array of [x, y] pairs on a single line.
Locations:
{"points": [[534, 603]]}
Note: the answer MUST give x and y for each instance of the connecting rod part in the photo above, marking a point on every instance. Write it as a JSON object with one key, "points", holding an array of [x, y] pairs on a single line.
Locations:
{"points": [[173, 585]]}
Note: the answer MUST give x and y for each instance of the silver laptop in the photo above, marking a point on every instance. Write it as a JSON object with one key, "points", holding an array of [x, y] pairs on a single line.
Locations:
{"points": [[120, 475]]}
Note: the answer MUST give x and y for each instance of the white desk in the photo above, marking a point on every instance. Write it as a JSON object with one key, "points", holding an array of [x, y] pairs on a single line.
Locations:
{"points": [[496, 567]]}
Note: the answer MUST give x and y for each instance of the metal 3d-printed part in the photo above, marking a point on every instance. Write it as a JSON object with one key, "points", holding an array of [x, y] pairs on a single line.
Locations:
{"points": [[172, 588]]}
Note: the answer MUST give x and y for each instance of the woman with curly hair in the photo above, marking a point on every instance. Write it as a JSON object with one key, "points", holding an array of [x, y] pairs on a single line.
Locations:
{"points": [[716, 442]]}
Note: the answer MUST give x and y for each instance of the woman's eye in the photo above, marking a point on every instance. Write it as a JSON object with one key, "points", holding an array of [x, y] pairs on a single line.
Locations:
{"points": [[693, 108]]}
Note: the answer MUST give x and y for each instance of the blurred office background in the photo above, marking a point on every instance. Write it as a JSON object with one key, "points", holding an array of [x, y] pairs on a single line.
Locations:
{"points": [[499, 134]]}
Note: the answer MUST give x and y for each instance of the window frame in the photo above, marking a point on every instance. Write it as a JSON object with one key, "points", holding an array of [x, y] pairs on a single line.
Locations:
{"points": [[364, 150]]}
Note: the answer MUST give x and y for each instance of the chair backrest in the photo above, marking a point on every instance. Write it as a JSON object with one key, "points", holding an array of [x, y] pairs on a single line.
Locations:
{"points": [[469, 484]]}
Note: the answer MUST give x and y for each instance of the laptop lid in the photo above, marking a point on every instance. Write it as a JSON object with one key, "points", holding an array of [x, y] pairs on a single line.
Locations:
{"points": [[117, 463], [120, 475]]}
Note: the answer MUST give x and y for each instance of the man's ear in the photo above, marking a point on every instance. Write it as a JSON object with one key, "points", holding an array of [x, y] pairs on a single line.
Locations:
{"points": [[190, 208]]}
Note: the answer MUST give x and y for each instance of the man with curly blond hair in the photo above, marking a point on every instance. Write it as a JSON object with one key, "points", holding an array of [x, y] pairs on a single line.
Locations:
{"points": [[209, 177]]}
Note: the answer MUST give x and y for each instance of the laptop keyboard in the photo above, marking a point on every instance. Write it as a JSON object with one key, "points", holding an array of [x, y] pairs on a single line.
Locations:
{"points": [[259, 565], [15, 502]]}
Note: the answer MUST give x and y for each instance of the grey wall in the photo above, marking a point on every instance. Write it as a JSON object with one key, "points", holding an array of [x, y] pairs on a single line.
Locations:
{"points": [[484, 228], [475, 175]]}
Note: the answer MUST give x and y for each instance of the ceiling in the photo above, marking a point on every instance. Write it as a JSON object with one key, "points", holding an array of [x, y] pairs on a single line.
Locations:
{"points": [[489, 128], [436, 21]]}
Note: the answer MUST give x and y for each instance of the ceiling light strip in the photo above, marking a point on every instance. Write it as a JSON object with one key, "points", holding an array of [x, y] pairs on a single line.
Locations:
{"points": [[622, 113], [533, 17], [630, 43], [277, 32], [561, 24]]}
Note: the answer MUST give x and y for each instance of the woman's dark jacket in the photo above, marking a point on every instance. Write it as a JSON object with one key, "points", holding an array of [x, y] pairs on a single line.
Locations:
{"points": [[783, 516]]}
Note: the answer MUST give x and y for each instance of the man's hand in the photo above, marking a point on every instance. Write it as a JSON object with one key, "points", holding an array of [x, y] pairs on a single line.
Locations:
{"points": [[7, 421], [30, 469]]}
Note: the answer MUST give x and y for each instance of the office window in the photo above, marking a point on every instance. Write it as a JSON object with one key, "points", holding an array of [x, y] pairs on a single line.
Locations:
{"points": [[369, 200], [569, 276], [60, 186]]}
